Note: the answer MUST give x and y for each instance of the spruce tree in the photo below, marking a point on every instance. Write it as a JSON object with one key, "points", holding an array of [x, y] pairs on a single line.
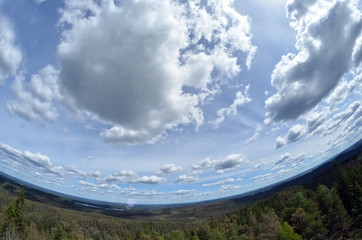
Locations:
{"points": [[13, 226]]}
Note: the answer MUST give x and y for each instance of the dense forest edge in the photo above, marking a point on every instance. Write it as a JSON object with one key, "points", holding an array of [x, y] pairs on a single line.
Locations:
{"points": [[327, 207]]}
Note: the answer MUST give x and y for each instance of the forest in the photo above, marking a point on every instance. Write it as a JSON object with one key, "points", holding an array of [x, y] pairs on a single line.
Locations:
{"points": [[312, 211]]}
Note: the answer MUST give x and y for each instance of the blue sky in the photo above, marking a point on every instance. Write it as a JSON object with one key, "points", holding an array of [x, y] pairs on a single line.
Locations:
{"points": [[175, 101]]}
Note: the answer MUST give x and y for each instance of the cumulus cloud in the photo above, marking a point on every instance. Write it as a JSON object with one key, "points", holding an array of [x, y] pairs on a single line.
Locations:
{"points": [[187, 178], [121, 176], [295, 133], [228, 163], [287, 158], [240, 100], [148, 180], [128, 62], [34, 100], [131, 177], [327, 33], [169, 169], [228, 188], [10, 53], [204, 164]]}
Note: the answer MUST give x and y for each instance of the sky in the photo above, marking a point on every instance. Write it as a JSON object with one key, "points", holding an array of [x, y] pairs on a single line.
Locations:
{"points": [[175, 101]]}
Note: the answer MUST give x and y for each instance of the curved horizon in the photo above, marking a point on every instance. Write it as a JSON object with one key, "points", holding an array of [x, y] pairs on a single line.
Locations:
{"points": [[172, 101]]}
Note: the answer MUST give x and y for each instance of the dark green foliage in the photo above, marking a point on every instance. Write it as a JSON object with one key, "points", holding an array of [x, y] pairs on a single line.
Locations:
{"points": [[13, 227], [58, 235], [295, 213], [286, 232], [176, 235], [349, 188]]}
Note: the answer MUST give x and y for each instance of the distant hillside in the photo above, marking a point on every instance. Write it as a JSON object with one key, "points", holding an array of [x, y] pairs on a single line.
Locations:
{"points": [[322, 174], [285, 211]]}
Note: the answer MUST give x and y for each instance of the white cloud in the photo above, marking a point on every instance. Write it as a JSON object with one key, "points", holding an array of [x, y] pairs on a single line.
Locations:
{"points": [[228, 188], [89, 127], [262, 177], [73, 170], [187, 178], [34, 101], [283, 171], [327, 33], [28, 162], [204, 164], [357, 53], [259, 165], [169, 169], [295, 133], [10, 53], [316, 120], [146, 194], [97, 174], [37, 163], [347, 119], [38, 159], [121, 176], [343, 90], [221, 182], [183, 192], [228, 163], [98, 186], [39, 1], [148, 180], [240, 100], [132, 178], [277, 167], [127, 63], [255, 135], [287, 158]]}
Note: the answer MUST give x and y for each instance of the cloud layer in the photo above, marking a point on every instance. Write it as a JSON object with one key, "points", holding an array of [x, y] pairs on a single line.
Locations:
{"points": [[327, 34]]}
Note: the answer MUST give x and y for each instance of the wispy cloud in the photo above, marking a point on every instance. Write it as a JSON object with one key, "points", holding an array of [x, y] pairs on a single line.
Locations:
{"points": [[221, 182], [240, 100], [255, 135]]}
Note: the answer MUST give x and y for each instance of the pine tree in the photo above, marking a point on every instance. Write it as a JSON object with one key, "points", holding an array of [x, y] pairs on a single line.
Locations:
{"points": [[14, 225], [58, 235], [286, 232]]}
